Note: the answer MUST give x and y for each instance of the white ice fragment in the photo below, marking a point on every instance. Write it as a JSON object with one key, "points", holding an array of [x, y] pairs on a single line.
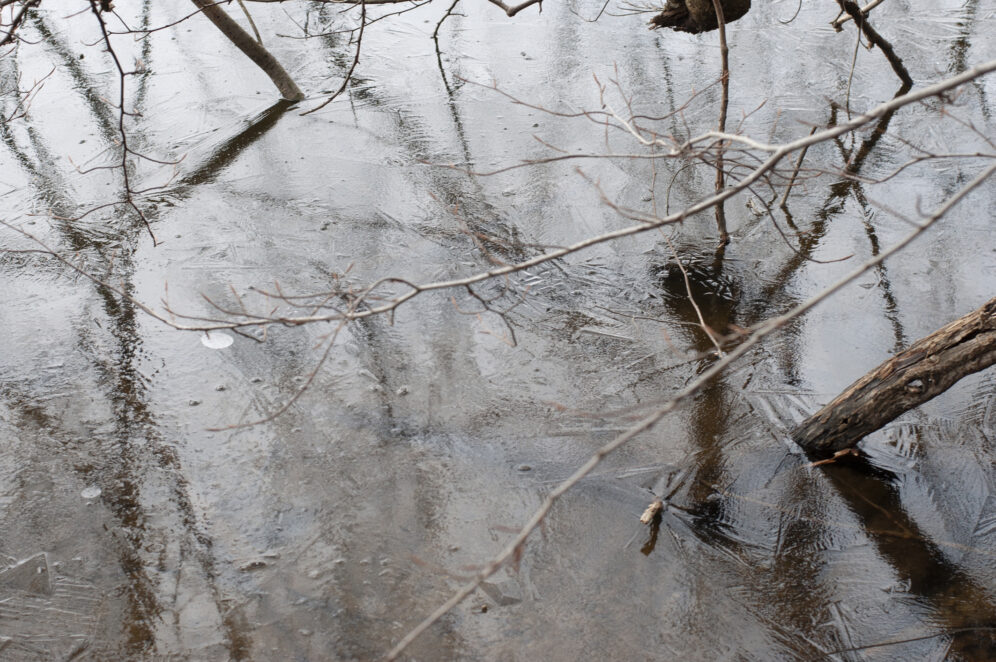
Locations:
{"points": [[216, 340], [91, 492]]}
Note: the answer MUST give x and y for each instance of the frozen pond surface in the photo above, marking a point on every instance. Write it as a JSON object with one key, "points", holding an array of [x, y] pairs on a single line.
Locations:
{"points": [[131, 530]]}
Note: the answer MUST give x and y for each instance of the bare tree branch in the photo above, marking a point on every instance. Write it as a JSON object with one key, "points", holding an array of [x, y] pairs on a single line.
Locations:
{"points": [[253, 50], [724, 104], [878, 40]]}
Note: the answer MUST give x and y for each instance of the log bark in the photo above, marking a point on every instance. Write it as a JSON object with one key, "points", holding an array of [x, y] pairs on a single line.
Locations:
{"points": [[926, 369], [252, 48], [697, 16]]}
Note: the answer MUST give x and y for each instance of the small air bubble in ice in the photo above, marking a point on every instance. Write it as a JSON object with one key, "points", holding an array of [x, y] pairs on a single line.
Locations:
{"points": [[91, 492]]}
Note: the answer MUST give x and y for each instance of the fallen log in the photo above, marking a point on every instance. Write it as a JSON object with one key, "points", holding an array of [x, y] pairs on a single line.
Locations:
{"points": [[926, 369]]}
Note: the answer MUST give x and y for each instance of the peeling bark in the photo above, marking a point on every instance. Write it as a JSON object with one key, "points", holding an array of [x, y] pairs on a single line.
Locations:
{"points": [[926, 369]]}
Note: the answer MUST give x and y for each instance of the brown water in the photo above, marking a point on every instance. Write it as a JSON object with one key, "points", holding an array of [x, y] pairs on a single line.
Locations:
{"points": [[130, 531]]}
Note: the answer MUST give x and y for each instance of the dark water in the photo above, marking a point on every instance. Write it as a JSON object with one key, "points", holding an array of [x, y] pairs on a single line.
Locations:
{"points": [[131, 531]]}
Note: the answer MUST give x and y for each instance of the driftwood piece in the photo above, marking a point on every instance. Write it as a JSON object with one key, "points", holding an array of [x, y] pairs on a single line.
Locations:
{"points": [[926, 369], [697, 16]]}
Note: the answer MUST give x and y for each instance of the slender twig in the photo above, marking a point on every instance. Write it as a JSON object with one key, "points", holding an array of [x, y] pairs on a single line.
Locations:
{"points": [[724, 55], [691, 297], [850, 73], [352, 67], [840, 20], [25, 97], [165, 26], [795, 173], [449, 12], [252, 23], [125, 150], [18, 19]]}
